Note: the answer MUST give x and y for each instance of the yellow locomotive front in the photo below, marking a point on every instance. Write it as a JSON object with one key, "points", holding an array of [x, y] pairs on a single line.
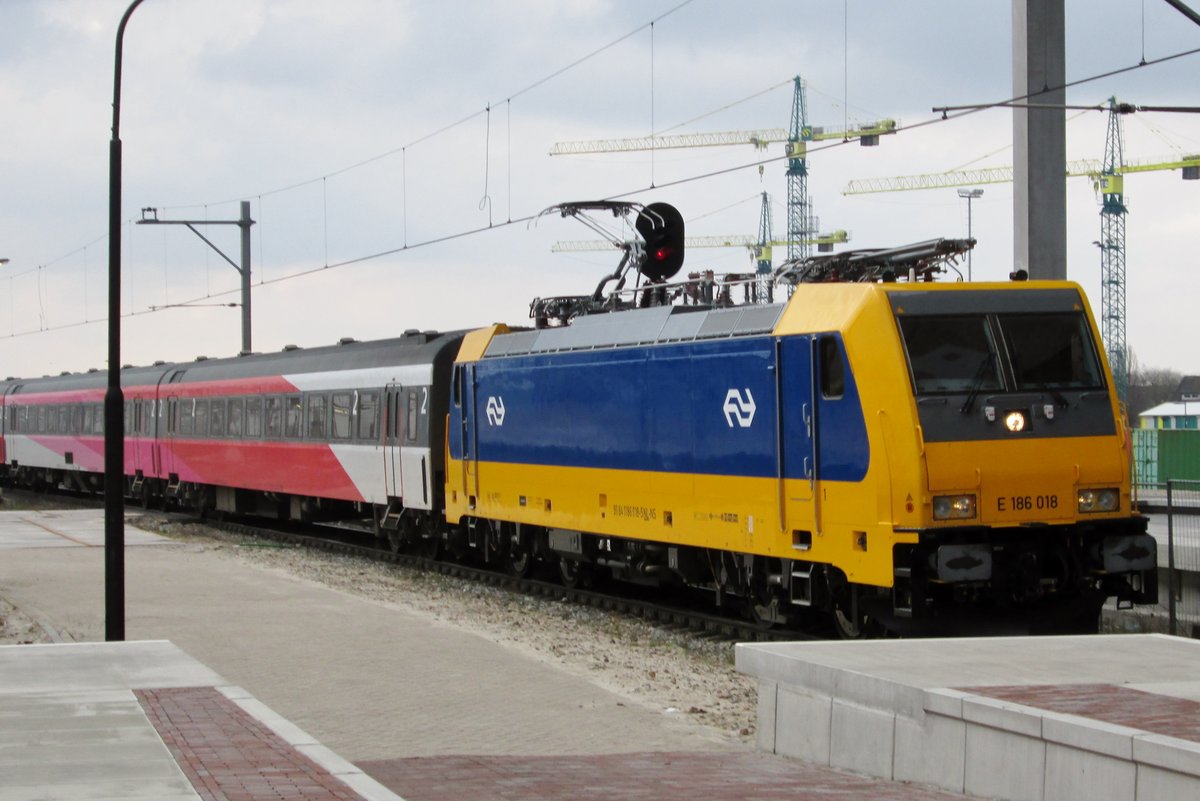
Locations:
{"points": [[1021, 450]]}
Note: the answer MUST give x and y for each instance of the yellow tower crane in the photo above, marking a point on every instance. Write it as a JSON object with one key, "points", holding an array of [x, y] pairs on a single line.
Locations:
{"points": [[802, 224]]}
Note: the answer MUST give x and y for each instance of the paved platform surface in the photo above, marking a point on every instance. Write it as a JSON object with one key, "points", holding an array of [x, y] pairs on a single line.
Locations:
{"points": [[143, 720], [428, 709]]}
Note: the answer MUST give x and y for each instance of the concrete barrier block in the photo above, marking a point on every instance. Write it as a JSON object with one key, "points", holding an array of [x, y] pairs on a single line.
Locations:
{"points": [[1171, 753], [882, 694], [1096, 736], [782, 662], [1002, 715], [1075, 775], [802, 725], [862, 739], [1003, 764], [945, 702], [1156, 784], [932, 752], [764, 734]]}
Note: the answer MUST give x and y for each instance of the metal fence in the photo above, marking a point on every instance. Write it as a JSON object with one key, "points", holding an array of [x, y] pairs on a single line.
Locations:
{"points": [[1174, 510]]}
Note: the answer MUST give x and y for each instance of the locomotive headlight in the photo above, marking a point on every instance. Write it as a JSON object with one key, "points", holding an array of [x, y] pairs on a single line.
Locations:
{"points": [[1099, 500], [953, 507], [1015, 421]]}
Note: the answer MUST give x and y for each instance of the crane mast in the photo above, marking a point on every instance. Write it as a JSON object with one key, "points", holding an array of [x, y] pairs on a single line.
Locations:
{"points": [[762, 256], [1111, 184], [800, 222]]}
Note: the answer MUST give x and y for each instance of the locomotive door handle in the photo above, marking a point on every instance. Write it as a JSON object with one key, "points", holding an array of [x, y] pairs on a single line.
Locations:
{"points": [[807, 419], [807, 468]]}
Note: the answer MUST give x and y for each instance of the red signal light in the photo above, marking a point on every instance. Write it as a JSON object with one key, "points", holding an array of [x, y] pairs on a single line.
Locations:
{"points": [[662, 254]]}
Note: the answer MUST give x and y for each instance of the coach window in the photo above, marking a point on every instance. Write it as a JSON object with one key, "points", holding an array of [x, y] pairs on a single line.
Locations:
{"points": [[234, 417], [294, 417], [216, 419], [64, 419], [99, 422], [274, 417], [317, 417], [22, 420], [88, 419], [202, 417], [833, 371], [254, 407], [341, 407], [187, 416], [77, 419], [410, 426], [368, 416]]}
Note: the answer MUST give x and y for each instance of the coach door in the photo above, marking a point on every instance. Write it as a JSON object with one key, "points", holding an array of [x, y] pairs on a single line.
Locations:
{"points": [[393, 438], [168, 423]]}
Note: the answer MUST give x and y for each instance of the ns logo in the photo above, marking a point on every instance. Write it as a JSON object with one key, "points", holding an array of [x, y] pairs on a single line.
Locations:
{"points": [[495, 410], [739, 408]]}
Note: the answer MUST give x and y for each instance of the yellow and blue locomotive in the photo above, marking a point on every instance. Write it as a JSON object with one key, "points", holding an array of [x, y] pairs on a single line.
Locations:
{"points": [[900, 452]]}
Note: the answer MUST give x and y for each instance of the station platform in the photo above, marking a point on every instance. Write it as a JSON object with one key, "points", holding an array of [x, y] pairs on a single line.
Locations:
{"points": [[143, 720], [1088, 718], [245, 683]]}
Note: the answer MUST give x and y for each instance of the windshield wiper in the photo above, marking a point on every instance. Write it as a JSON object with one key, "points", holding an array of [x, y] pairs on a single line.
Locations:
{"points": [[976, 384]]}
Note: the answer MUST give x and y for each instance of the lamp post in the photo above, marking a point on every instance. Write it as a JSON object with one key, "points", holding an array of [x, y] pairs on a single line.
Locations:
{"points": [[969, 194], [114, 398]]}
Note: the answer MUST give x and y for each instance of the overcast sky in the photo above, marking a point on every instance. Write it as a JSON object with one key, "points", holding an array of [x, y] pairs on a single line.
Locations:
{"points": [[358, 127]]}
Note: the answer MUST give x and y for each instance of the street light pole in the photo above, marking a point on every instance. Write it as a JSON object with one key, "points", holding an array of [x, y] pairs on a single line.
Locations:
{"points": [[114, 399], [969, 194]]}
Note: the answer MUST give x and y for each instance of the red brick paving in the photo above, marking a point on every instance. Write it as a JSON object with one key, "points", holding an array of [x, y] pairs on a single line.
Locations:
{"points": [[227, 755], [1158, 714], [654, 776]]}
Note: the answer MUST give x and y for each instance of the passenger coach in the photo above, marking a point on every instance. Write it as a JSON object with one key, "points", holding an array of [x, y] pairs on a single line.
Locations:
{"points": [[347, 431]]}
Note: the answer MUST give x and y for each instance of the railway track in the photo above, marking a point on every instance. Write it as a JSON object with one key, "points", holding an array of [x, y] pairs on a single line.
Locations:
{"points": [[676, 617]]}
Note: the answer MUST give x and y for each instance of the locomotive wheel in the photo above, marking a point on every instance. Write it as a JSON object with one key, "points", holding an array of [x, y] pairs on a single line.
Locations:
{"points": [[519, 559], [848, 626], [574, 573], [396, 540], [429, 542]]}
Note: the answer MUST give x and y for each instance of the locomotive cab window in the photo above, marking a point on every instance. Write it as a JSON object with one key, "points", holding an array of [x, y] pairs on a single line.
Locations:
{"points": [[1053, 350], [833, 371], [951, 353]]}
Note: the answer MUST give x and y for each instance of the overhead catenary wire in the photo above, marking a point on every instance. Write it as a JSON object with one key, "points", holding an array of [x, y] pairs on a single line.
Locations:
{"points": [[945, 116]]}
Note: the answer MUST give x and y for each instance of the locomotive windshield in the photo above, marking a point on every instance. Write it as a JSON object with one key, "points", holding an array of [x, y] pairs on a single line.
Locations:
{"points": [[995, 352], [1050, 350]]}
